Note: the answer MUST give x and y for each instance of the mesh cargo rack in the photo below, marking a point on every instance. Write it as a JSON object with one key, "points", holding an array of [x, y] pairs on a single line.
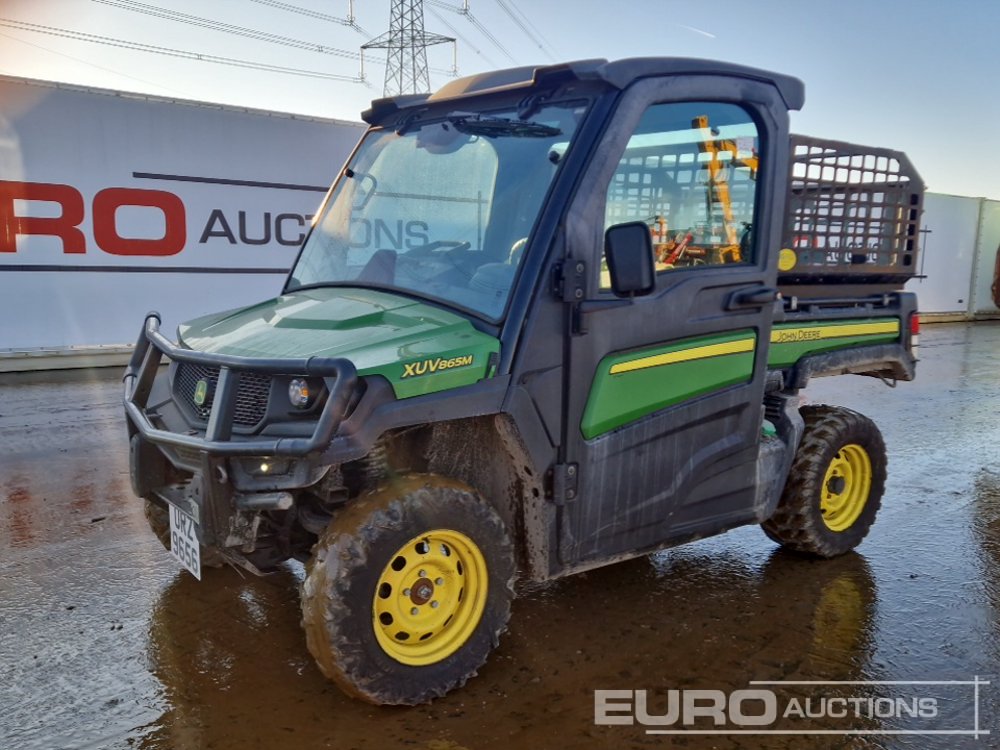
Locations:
{"points": [[852, 218]]}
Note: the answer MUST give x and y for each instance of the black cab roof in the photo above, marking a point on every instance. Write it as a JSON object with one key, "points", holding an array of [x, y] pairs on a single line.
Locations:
{"points": [[619, 74]]}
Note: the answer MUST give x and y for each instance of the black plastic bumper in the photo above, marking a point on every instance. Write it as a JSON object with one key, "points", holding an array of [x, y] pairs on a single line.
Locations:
{"points": [[152, 346]]}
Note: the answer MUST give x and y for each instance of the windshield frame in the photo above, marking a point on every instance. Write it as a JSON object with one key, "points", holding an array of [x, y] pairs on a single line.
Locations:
{"points": [[486, 107]]}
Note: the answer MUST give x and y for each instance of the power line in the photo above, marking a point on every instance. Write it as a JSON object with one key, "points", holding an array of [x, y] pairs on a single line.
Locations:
{"points": [[464, 10], [93, 65], [447, 6], [486, 32], [226, 28], [184, 54], [540, 35], [523, 23], [349, 21], [441, 19], [206, 23]]}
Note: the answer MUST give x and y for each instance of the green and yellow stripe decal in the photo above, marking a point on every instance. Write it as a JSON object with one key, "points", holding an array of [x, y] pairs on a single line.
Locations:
{"points": [[791, 342], [630, 385], [686, 355]]}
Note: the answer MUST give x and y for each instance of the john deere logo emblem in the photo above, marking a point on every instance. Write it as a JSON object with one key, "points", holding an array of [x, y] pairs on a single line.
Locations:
{"points": [[200, 392]]}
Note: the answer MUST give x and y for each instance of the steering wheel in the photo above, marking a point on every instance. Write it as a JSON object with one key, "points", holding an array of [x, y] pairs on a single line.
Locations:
{"points": [[426, 262], [439, 245]]}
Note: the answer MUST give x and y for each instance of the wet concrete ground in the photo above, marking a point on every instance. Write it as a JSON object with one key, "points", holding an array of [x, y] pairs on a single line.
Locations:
{"points": [[106, 643]]}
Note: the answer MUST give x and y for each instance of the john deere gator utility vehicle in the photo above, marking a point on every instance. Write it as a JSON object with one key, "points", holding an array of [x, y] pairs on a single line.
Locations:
{"points": [[546, 319]]}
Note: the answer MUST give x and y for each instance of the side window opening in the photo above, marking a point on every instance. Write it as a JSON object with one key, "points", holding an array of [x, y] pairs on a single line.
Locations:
{"points": [[689, 172]]}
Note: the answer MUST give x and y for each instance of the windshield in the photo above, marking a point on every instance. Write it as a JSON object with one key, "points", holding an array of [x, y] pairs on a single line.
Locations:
{"points": [[441, 209]]}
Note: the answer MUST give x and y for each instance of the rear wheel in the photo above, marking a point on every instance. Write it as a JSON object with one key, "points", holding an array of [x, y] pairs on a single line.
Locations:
{"points": [[834, 489], [408, 591], [158, 518]]}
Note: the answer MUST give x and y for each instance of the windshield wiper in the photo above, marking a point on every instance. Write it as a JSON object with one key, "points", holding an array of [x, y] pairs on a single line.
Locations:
{"points": [[471, 123]]}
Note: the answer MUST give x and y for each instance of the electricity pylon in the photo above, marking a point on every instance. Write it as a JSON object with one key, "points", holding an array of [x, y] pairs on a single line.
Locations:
{"points": [[407, 43]]}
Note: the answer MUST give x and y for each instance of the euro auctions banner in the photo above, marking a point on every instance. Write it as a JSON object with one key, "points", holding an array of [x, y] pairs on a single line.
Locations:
{"points": [[112, 205]]}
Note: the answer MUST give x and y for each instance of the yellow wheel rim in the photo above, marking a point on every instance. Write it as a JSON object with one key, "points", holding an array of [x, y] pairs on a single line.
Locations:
{"points": [[430, 597], [846, 487]]}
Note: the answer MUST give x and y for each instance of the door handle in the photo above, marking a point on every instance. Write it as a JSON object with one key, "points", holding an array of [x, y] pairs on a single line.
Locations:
{"points": [[754, 296]]}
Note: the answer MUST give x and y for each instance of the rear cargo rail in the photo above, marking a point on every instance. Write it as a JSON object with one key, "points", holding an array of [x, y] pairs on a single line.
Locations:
{"points": [[852, 217]]}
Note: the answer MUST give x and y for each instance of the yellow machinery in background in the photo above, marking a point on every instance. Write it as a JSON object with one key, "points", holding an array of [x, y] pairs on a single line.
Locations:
{"points": [[679, 249]]}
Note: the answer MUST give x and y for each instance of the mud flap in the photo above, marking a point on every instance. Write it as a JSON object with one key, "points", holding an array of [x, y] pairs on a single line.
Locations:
{"points": [[147, 467]]}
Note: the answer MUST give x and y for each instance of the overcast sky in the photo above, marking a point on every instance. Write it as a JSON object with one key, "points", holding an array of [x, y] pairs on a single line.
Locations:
{"points": [[922, 76]]}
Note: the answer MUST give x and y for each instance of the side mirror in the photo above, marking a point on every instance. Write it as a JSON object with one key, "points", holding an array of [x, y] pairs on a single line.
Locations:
{"points": [[629, 252]]}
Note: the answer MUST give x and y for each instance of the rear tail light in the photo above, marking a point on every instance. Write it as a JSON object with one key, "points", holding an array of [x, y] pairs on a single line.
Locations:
{"points": [[915, 334]]}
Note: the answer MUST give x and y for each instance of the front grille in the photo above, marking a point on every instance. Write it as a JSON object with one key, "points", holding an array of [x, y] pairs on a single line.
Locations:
{"points": [[251, 396]]}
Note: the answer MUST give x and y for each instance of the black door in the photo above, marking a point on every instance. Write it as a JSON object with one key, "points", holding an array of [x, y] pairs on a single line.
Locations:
{"points": [[665, 392]]}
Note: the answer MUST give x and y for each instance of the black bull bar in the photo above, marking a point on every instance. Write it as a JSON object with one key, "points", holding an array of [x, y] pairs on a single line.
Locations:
{"points": [[152, 346]]}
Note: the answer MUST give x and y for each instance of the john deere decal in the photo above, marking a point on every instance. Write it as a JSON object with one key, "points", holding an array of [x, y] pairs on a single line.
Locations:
{"points": [[200, 392]]}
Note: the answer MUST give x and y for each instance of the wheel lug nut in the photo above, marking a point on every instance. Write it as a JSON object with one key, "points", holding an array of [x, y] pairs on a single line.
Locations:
{"points": [[422, 574], [415, 611], [439, 581], [406, 592], [434, 605]]}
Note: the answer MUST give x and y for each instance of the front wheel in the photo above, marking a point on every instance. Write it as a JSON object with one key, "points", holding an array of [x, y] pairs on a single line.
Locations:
{"points": [[408, 591], [834, 489]]}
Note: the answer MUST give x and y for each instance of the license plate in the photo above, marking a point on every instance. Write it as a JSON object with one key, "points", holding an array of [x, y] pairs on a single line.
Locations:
{"points": [[184, 541]]}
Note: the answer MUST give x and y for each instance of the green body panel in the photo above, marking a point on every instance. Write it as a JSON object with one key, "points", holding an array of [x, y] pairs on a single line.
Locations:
{"points": [[786, 353], [705, 364], [619, 398], [418, 348]]}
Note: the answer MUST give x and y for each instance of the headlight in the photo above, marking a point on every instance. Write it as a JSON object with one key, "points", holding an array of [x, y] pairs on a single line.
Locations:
{"points": [[300, 394], [264, 466]]}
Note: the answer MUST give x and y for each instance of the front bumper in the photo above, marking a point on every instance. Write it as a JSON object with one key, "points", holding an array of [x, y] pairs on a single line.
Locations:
{"points": [[217, 492], [218, 439]]}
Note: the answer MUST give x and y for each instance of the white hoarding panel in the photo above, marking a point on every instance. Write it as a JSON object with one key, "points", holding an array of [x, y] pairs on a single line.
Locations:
{"points": [[112, 205], [947, 253], [986, 256]]}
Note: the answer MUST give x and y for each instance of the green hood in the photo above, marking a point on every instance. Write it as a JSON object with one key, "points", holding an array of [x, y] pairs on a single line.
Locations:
{"points": [[417, 347]]}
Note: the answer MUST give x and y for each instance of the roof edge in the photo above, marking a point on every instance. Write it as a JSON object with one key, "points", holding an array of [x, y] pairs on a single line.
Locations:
{"points": [[618, 73]]}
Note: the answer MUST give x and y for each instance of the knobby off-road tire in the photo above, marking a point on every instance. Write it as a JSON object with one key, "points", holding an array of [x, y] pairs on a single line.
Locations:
{"points": [[834, 489], [158, 518], [408, 591]]}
